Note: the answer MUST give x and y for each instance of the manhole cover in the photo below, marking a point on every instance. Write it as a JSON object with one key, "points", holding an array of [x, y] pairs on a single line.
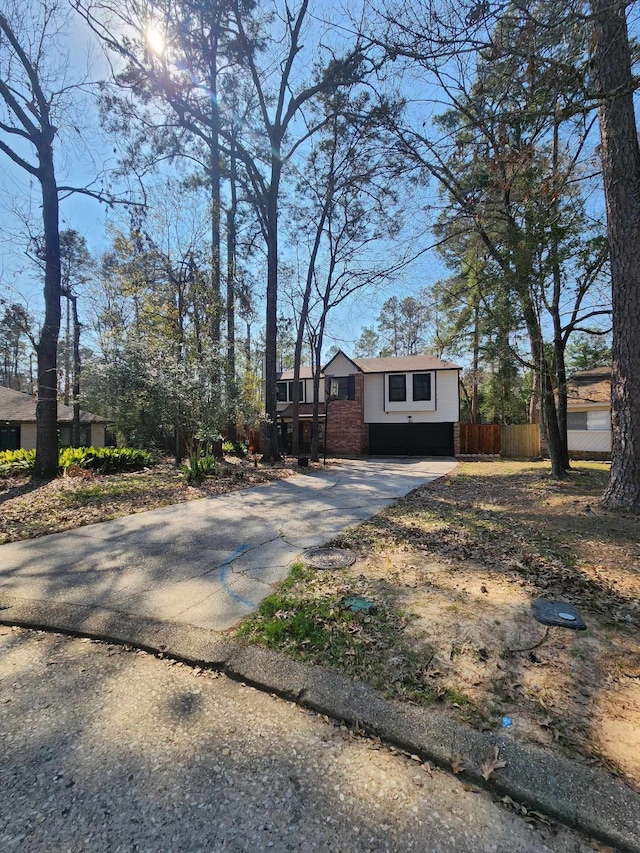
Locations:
{"points": [[558, 613], [328, 558]]}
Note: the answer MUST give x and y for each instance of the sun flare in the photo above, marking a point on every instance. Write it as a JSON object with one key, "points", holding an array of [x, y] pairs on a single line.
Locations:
{"points": [[155, 39]]}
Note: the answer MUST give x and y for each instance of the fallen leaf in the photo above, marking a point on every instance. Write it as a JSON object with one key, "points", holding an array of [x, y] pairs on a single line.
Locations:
{"points": [[492, 764], [456, 765]]}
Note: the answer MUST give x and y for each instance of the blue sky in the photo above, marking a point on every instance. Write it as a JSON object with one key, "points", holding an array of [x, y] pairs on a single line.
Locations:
{"points": [[84, 152]]}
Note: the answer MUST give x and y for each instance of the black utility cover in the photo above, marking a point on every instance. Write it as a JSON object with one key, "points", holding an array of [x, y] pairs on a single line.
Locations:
{"points": [[558, 613]]}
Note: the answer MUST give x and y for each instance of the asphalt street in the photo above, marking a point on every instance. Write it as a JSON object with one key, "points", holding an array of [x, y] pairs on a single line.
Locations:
{"points": [[106, 750]]}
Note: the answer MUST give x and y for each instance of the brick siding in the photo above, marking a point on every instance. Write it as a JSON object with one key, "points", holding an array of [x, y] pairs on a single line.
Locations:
{"points": [[346, 430], [456, 439]]}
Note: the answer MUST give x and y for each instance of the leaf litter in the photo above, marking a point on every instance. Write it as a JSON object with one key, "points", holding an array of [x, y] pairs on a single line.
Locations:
{"points": [[31, 509], [453, 569]]}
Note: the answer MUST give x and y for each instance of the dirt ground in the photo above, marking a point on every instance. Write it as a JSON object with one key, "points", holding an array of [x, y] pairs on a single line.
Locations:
{"points": [[29, 509], [452, 571]]}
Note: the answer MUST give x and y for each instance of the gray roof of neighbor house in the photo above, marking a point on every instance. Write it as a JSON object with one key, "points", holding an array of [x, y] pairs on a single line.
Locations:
{"points": [[16, 406], [589, 386], [402, 363]]}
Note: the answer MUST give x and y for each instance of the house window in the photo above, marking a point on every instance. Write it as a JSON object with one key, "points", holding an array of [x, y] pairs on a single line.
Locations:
{"points": [[65, 433], [576, 420], [346, 387], [421, 386], [9, 438], [284, 392], [598, 420], [397, 388]]}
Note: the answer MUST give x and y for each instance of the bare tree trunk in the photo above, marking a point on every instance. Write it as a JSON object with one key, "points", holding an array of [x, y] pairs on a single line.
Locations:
{"points": [[232, 432], [271, 329], [548, 413], [558, 337], [67, 352], [317, 354], [46, 465], [620, 155], [315, 423], [475, 364], [75, 427], [215, 178], [302, 322]]}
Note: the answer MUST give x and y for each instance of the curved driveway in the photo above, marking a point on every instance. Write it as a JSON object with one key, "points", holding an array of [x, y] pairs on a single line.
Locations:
{"points": [[207, 562]]}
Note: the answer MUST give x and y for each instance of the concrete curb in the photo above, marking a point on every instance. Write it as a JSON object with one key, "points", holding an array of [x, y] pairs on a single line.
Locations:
{"points": [[579, 795]]}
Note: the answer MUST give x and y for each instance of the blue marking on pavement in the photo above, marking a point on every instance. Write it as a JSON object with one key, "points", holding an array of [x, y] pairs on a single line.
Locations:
{"points": [[224, 566]]}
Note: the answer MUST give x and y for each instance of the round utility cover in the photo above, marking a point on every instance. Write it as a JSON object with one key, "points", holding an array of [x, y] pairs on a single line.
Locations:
{"points": [[559, 613], [328, 558]]}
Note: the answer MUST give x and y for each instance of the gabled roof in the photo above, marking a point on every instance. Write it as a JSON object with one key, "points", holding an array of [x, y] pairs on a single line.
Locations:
{"points": [[344, 355], [403, 364], [19, 407], [589, 386], [390, 364], [305, 373]]}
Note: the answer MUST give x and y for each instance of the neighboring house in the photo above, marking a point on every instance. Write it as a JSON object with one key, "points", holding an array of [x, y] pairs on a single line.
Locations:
{"points": [[18, 423], [589, 412], [405, 406], [284, 391]]}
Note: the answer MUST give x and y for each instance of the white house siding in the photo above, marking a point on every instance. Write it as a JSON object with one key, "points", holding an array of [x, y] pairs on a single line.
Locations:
{"points": [[28, 436], [340, 366], [309, 390], [444, 391], [589, 441]]}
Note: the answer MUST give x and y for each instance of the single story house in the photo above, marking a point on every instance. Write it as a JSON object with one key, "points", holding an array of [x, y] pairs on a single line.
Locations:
{"points": [[18, 423], [396, 406], [589, 412]]}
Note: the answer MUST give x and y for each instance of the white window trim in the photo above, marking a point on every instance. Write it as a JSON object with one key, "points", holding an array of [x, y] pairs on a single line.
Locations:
{"points": [[409, 405]]}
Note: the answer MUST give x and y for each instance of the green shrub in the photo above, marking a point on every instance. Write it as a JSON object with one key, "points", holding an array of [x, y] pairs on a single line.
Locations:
{"points": [[105, 460], [234, 448], [15, 462], [198, 467]]}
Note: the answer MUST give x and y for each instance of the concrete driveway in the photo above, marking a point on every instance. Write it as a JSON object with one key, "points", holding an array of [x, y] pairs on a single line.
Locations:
{"points": [[208, 562]]}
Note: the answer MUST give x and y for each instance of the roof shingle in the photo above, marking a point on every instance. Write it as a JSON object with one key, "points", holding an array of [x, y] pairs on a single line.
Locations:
{"points": [[18, 407]]}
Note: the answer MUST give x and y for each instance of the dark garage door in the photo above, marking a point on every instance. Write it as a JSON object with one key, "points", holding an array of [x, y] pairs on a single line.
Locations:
{"points": [[411, 439]]}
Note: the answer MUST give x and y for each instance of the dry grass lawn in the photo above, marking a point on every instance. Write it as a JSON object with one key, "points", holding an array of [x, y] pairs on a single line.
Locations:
{"points": [[452, 570]]}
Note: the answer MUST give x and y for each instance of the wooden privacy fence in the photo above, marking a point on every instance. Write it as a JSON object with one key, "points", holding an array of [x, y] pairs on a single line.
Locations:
{"points": [[521, 441], [480, 439], [513, 440]]}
